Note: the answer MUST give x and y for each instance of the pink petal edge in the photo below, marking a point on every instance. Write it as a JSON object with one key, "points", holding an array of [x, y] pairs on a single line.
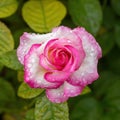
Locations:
{"points": [[34, 73], [62, 93], [87, 72], [27, 40]]}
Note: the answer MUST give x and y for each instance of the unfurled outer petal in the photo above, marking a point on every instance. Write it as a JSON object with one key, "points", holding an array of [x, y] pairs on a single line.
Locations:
{"points": [[62, 93], [27, 40], [56, 95], [72, 90], [87, 72], [67, 37]]}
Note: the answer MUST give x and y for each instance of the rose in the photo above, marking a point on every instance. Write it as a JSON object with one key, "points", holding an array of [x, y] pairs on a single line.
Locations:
{"points": [[63, 62]]}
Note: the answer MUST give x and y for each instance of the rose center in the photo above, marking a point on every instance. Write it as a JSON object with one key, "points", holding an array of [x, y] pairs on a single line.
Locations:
{"points": [[59, 57]]}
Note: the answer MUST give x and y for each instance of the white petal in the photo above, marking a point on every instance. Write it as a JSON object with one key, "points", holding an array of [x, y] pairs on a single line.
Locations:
{"points": [[34, 73], [27, 40], [87, 72]]}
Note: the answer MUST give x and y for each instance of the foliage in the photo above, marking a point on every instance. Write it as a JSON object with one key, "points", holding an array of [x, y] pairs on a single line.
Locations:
{"points": [[99, 101]]}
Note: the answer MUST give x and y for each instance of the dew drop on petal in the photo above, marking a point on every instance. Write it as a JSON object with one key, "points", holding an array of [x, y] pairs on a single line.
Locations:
{"points": [[29, 65]]}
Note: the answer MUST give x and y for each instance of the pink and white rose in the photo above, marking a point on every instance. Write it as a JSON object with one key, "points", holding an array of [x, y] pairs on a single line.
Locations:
{"points": [[63, 62]]}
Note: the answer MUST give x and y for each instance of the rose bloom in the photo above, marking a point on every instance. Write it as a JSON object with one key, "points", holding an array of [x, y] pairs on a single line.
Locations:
{"points": [[63, 62]]}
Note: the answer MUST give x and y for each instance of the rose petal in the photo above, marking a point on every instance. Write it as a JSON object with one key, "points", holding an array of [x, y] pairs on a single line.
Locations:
{"points": [[66, 36], [45, 63], [71, 90], [73, 64], [87, 72], [62, 93], [27, 40], [34, 73], [56, 95], [88, 38], [78, 57], [57, 76]]}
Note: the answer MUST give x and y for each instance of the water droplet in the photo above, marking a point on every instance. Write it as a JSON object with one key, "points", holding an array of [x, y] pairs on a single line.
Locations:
{"points": [[82, 74], [59, 94], [32, 60], [71, 91], [57, 101], [92, 49], [29, 65], [91, 54]]}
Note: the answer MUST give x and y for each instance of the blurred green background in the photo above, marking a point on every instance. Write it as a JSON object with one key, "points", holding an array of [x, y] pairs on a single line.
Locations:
{"points": [[100, 17]]}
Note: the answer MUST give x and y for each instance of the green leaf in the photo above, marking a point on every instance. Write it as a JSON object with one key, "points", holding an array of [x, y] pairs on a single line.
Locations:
{"points": [[9, 59], [6, 91], [68, 22], [86, 13], [106, 117], [7, 116], [117, 34], [6, 88], [1, 67], [87, 109], [86, 90], [113, 91], [20, 76], [6, 39], [7, 7], [7, 94], [109, 18], [116, 6], [26, 92], [116, 116], [114, 63], [30, 115], [45, 110], [107, 89], [111, 116], [106, 41], [106, 79], [112, 98], [43, 15]]}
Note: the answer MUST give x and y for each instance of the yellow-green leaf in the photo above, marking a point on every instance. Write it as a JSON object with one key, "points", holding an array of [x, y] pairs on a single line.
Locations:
{"points": [[20, 76], [10, 60], [30, 114], [43, 15], [25, 91], [7, 7], [6, 39], [86, 90]]}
